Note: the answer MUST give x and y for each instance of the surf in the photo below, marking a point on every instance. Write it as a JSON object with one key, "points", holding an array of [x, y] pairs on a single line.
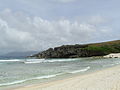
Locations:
{"points": [[34, 78], [81, 70], [30, 61]]}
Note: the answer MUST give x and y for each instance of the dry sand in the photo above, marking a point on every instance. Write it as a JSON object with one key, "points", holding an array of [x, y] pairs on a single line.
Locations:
{"points": [[108, 79], [113, 55]]}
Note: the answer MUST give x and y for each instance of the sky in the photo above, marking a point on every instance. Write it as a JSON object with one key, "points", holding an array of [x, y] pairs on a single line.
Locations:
{"points": [[35, 25]]}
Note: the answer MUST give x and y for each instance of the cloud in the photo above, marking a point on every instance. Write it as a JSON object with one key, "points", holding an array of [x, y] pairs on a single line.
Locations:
{"points": [[20, 32], [65, 1]]}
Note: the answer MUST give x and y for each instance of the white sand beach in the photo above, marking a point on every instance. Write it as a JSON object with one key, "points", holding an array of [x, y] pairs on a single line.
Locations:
{"points": [[113, 55], [108, 79]]}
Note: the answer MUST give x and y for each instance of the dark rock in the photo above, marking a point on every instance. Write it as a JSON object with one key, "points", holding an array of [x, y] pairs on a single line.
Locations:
{"points": [[76, 51]]}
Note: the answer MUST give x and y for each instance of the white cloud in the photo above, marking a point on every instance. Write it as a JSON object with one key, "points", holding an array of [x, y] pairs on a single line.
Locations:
{"points": [[19, 32]]}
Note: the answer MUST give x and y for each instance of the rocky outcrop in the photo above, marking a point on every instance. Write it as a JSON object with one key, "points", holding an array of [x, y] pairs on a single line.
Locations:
{"points": [[76, 51]]}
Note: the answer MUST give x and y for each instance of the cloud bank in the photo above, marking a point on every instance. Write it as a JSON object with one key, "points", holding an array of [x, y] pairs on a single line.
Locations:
{"points": [[20, 32]]}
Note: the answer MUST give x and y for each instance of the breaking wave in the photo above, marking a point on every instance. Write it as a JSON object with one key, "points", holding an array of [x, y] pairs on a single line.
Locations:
{"points": [[82, 70], [25, 80], [42, 77], [33, 61], [12, 60], [48, 60]]}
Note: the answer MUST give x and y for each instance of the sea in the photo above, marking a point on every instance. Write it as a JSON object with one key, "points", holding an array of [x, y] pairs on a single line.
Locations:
{"points": [[19, 72]]}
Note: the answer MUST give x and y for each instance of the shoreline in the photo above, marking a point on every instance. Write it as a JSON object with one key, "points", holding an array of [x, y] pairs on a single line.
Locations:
{"points": [[98, 80]]}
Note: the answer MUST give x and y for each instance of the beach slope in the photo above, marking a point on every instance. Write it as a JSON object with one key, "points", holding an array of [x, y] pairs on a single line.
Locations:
{"points": [[108, 79]]}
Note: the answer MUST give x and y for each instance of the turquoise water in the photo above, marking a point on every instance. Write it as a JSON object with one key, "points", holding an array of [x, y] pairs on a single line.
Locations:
{"points": [[19, 71]]}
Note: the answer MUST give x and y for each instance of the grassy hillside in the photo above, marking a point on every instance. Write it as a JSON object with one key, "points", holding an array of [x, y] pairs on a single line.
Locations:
{"points": [[105, 47]]}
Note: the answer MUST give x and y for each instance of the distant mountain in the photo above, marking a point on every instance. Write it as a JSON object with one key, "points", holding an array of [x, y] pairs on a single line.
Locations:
{"points": [[84, 50], [18, 54]]}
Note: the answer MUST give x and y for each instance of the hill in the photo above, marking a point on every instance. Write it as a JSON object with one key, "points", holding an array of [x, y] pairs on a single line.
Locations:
{"points": [[78, 50]]}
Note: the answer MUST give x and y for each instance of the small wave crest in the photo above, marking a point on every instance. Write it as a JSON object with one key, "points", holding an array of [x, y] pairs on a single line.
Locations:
{"points": [[25, 80], [111, 64], [117, 62], [82, 70], [30, 61], [48, 60], [12, 83], [12, 60]]}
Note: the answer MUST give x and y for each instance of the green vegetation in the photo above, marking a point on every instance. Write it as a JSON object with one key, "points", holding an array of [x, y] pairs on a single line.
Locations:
{"points": [[105, 49]]}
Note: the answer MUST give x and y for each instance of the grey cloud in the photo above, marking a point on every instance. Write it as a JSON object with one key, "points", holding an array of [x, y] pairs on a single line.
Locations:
{"points": [[65, 1], [21, 32]]}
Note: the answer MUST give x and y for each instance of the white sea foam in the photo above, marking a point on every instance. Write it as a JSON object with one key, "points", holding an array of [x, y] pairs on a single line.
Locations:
{"points": [[109, 65], [60, 60], [118, 63], [11, 60], [82, 70], [47, 60], [48, 76], [30, 61], [12, 83], [34, 78]]}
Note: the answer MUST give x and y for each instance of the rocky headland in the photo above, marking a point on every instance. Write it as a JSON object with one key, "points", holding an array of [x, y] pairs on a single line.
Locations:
{"points": [[78, 50]]}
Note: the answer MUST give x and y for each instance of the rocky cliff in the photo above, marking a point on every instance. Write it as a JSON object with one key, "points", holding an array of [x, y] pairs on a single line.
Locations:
{"points": [[76, 51]]}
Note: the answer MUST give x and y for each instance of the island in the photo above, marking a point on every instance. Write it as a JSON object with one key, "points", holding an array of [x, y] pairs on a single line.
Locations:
{"points": [[80, 50]]}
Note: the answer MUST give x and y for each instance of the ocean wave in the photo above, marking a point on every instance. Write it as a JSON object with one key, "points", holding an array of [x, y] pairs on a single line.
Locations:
{"points": [[111, 64], [118, 63], [25, 80], [48, 60], [82, 70], [11, 60], [30, 61], [12, 83]]}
